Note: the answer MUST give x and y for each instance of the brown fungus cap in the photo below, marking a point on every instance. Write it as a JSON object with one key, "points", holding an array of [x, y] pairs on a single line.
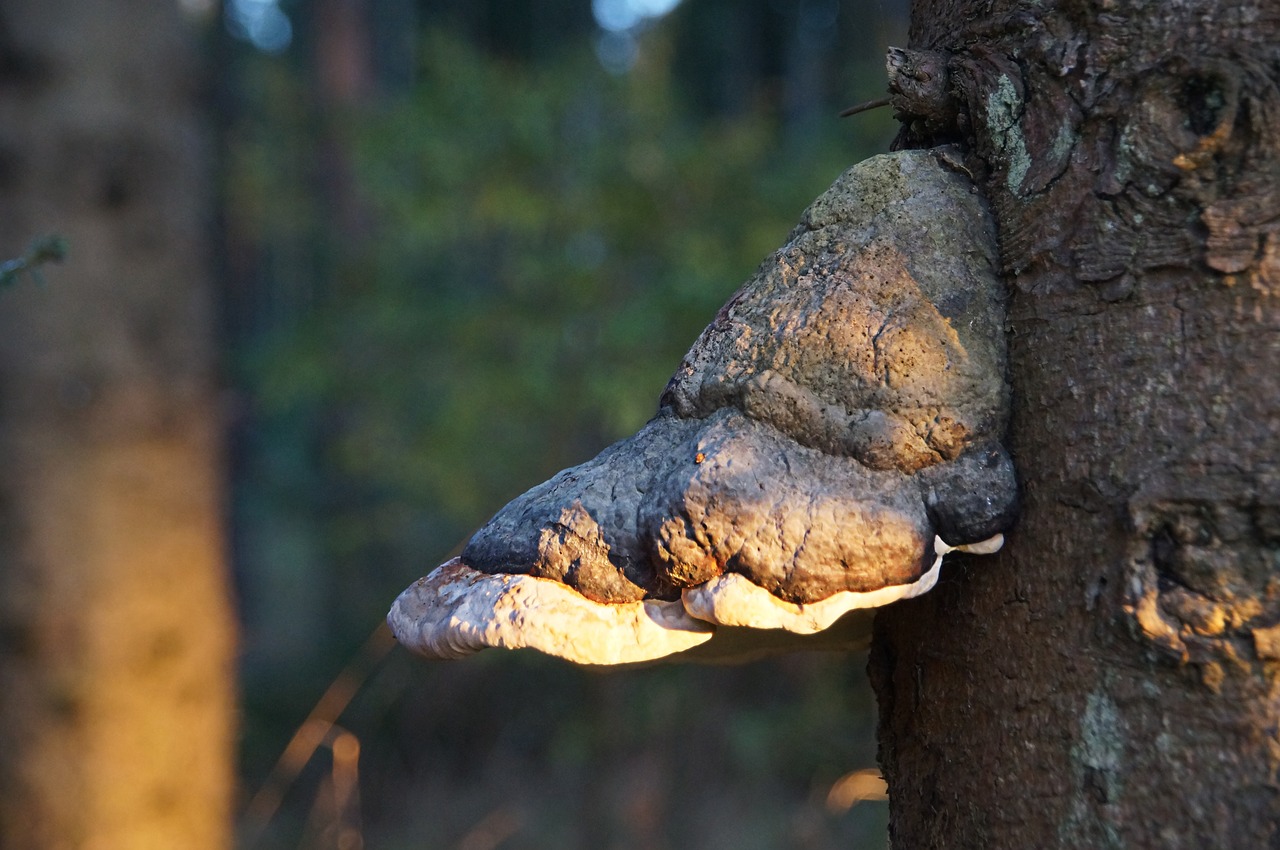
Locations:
{"points": [[835, 423]]}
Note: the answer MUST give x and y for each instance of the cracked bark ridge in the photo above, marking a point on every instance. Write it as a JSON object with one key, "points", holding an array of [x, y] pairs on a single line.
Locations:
{"points": [[1156, 149], [843, 408]]}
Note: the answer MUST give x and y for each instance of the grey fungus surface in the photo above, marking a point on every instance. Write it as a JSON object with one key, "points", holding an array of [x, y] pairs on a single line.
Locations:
{"points": [[837, 421]]}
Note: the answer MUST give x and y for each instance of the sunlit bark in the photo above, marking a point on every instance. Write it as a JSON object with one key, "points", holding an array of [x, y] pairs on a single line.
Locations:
{"points": [[115, 628]]}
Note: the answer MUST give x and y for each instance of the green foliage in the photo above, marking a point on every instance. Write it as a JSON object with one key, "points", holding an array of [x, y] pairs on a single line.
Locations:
{"points": [[529, 250], [547, 245], [45, 249]]}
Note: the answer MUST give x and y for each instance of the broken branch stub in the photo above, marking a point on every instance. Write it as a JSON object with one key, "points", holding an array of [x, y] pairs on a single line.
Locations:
{"points": [[836, 422]]}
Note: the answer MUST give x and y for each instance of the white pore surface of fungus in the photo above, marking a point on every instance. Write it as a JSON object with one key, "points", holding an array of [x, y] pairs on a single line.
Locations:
{"points": [[733, 600], [457, 611]]}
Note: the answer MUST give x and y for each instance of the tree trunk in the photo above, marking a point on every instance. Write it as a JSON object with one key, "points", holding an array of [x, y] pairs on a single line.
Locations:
{"points": [[1111, 680], [115, 628]]}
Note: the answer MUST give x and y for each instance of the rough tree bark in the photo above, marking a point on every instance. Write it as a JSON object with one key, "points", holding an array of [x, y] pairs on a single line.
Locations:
{"points": [[115, 630], [1113, 678]]}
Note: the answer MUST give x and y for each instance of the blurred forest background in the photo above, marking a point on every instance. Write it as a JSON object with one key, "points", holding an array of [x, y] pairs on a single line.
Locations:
{"points": [[461, 245]]}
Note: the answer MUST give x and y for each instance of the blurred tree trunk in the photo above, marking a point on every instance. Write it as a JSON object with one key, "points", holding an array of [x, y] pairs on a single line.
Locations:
{"points": [[115, 628], [1112, 679], [344, 74]]}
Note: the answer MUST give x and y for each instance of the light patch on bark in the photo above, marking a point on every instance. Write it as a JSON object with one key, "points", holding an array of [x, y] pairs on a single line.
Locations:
{"points": [[1102, 736], [1004, 107], [1065, 141], [1097, 756]]}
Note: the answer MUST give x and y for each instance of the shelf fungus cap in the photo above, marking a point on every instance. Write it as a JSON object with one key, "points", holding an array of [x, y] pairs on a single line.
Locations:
{"points": [[837, 421]]}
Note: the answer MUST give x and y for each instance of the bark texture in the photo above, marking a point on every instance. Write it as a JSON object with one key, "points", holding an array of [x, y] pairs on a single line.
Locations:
{"points": [[1112, 679], [115, 629]]}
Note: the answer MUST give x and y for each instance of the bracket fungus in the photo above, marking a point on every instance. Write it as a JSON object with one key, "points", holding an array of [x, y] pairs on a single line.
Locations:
{"points": [[837, 421]]}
